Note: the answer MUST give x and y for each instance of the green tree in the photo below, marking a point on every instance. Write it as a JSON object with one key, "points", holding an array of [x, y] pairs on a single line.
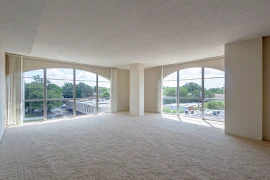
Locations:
{"points": [[35, 90], [67, 90], [192, 87], [106, 94], [101, 90], [84, 90], [169, 91], [215, 105], [38, 79], [208, 93], [53, 91], [194, 92], [166, 110], [169, 100], [183, 91], [217, 90]]}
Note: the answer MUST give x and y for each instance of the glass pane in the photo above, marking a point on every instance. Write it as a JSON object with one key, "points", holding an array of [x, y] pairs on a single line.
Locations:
{"points": [[84, 107], [209, 72], [190, 73], [85, 76], [214, 105], [171, 77], [103, 79], [190, 88], [214, 88], [214, 110], [169, 105], [33, 88], [86, 90], [59, 110], [36, 73], [33, 111], [59, 73], [104, 95], [190, 108], [59, 89], [169, 97]]}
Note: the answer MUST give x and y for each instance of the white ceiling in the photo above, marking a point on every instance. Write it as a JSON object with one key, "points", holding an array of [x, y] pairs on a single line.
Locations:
{"points": [[117, 33]]}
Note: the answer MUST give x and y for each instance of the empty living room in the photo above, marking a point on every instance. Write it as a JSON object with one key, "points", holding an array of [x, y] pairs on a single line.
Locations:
{"points": [[134, 89]]}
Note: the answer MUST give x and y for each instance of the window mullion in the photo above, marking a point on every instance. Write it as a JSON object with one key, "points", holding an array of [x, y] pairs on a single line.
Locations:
{"points": [[177, 93], [202, 98], [45, 95], [97, 93], [74, 92]]}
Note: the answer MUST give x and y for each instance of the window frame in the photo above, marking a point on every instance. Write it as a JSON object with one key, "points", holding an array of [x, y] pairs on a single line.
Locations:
{"points": [[202, 97], [74, 98]]}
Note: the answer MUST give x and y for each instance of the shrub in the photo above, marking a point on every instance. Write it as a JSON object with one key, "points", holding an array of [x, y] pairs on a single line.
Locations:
{"points": [[215, 105], [166, 110]]}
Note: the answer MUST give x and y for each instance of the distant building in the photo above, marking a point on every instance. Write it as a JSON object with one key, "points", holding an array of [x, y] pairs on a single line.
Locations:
{"points": [[89, 106]]}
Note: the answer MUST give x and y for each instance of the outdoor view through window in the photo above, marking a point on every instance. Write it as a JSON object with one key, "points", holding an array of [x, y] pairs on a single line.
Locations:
{"points": [[200, 93], [59, 98]]}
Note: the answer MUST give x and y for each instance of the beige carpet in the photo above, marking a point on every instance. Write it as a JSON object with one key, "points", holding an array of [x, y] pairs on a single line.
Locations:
{"points": [[118, 146]]}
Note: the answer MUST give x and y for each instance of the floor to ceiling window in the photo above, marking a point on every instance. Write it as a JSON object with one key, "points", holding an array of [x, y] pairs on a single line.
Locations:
{"points": [[33, 99], [103, 94], [66, 93], [86, 83], [170, 94], [190, 92], [195, 92], [214, 102], [59, 91]]}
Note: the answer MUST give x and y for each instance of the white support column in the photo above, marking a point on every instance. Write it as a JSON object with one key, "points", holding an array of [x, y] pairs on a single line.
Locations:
{"points": [[19, 87], [15, 91], [160, 91], [244, 88], [137, 90], [2, 92], [113, 90]]}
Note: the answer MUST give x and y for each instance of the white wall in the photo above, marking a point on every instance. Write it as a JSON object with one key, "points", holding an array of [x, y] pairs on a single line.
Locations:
{"points": [[2, 92], [243, 88], [136, 103], [266, 88], [152, 89], [216, 63], [122, 90], [154, 76], [113, 92], [30, 64]]}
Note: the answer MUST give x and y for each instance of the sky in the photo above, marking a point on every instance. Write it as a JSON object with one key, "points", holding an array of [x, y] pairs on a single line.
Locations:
{"points": [[61, 75], [186, 75], [213, 78]]}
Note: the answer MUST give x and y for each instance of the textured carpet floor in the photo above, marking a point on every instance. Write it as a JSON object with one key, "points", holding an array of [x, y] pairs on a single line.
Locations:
{"points": [[118, 146]]}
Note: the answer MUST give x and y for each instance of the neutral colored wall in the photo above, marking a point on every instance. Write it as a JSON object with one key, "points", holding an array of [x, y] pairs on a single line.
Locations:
{"points": [[113, 92], [154, 77], [266, 88], [216, 63], [136, 103], [2, 92], [152, 89], [243, 88], [33, 64], [122, 90]]}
